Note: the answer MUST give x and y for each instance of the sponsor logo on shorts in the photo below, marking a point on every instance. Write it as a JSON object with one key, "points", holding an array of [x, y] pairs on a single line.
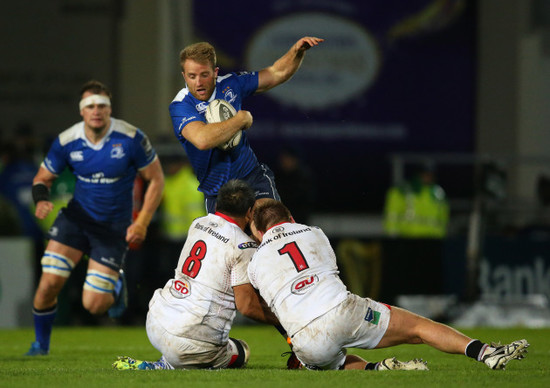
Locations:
{"points": [[108, 260], [250, 244], [300, 286], [372, 316], [180, 289], [54, 231]]}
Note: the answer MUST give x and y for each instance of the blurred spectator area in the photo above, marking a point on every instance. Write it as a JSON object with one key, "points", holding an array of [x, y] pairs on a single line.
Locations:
{"points": [[514, 193]]}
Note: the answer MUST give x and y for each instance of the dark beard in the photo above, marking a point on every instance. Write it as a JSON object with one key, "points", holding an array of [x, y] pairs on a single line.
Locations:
{"points": [[98, 131]]}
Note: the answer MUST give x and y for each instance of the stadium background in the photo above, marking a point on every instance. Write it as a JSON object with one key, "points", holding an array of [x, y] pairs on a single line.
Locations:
{"points": [[461, 84]]}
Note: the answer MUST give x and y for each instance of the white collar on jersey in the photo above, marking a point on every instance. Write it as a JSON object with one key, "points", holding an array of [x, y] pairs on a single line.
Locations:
{"points": [[98, 146], [213, 96]]}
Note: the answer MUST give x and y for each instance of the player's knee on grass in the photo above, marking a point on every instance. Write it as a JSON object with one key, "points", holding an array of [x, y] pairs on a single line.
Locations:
{"points": [[98, 291]]}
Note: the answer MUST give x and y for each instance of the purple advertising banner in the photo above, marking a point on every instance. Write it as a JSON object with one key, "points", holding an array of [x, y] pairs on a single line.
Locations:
{"points": [[391, 76]]}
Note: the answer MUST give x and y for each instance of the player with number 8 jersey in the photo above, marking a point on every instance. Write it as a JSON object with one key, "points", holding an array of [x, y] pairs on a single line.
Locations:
{"points": [[198, 303], [190, 318]]}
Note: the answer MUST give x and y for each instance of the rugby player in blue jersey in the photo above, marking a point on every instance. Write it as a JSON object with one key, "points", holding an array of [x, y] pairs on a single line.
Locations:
{"points": [[214, 166], [105, 155]]}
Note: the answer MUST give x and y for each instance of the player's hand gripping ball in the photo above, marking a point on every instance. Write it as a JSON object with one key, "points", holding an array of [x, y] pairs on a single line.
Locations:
{"points": [[220, 110]]}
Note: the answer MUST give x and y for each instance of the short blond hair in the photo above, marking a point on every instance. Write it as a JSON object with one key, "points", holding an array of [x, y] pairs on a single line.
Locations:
{"points": [[201, 52]]}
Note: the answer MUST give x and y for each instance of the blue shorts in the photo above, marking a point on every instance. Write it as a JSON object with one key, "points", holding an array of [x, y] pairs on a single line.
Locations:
{"points": [[104, 242], [261, 179]]}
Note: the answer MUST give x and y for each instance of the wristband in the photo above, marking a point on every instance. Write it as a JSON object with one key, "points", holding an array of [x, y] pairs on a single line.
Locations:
{"points": [[40, 192]]}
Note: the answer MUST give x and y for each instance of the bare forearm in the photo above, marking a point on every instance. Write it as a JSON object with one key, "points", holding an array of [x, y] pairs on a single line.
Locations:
{"points": [[261, 315], [207, 136], [152, 174], [286, 66], [44, 177], [153, 196], [251, 304], [217, 133]]}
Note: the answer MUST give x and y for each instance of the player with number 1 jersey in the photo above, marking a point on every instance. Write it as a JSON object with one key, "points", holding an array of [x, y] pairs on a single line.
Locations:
{"points": [[297, 284], [294, 269]]}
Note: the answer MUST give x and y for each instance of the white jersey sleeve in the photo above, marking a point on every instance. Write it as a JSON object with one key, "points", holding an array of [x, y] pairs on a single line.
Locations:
{"points": [[296, 273], [199, 303]]}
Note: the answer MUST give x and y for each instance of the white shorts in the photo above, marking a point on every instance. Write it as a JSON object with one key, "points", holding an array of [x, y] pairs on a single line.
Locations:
{"points": [[355, 323], [185, 353]]}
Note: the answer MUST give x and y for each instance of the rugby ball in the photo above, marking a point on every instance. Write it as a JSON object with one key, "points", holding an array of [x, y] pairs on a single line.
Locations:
{"points": [[220, 110]]}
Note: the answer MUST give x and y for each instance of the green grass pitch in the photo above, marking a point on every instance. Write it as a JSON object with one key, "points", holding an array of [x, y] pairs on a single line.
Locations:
{"points": [[82, 357]]}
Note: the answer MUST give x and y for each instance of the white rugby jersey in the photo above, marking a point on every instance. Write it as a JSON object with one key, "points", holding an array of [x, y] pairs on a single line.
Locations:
{"points": [[295, 270], [199, 303]]}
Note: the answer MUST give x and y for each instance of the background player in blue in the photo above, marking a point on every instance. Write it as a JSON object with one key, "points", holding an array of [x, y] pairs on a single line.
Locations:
{"points": [[105, 155], [212, 165]]}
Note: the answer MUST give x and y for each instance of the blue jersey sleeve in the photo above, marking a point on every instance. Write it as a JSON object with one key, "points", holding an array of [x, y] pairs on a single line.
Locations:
{"points": [[143, 151], [248, 82], [56, 160], [183, 113]]}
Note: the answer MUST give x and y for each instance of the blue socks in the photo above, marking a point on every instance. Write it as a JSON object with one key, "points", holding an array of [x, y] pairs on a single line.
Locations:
{"points": [[43, 322]]}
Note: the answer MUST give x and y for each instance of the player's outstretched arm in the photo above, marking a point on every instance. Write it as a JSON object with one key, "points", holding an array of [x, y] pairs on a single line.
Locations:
{"points": [[285, 67]]}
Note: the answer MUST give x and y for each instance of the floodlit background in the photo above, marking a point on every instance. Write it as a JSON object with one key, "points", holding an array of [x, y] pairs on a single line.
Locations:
{"points": [[460, 85]]}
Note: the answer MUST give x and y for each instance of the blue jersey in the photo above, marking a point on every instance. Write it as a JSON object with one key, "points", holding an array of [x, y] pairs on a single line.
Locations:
{"points": [[105, 172], [214, 167]]}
